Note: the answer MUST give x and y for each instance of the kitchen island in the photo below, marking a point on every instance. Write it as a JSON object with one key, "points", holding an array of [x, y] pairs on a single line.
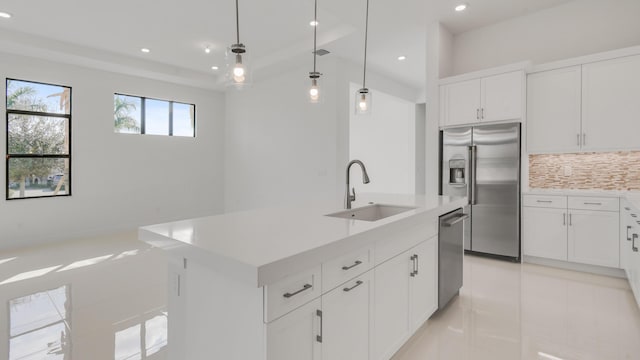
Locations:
{"points": [[293, 283]]}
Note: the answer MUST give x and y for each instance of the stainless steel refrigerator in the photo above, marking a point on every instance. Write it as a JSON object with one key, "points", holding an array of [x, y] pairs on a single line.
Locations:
{"points": [[483, 163]]}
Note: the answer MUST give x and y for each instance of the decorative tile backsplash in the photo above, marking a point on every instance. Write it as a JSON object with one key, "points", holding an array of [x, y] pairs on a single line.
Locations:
{"points": [[586, 171]]}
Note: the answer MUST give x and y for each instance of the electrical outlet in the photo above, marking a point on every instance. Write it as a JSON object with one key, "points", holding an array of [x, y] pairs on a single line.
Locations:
{"points": [[568, 171]]}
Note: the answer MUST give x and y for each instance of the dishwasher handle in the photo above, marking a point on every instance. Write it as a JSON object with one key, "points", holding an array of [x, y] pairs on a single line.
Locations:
{"points": [[454, 220]]}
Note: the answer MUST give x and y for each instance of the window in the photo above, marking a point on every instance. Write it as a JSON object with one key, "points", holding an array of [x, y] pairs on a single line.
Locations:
{"points": [[140, 115], [142, 340], [38, 140]]}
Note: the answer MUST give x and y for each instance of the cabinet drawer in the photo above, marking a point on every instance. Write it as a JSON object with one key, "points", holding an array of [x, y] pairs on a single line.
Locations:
{"points": [[344, 268], [594, 203], [546, 201], [291, 292]]}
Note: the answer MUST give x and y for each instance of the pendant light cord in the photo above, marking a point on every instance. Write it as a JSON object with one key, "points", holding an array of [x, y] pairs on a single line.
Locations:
{"points": [[238, 24], [315, 31], [366, 35]]}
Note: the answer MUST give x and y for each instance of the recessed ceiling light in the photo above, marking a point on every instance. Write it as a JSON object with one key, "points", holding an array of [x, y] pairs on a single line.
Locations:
{"points": [[5, 15], [402, 58], [207, 50], [145, 50], [214, 68], [461, 7], [314, 23]]}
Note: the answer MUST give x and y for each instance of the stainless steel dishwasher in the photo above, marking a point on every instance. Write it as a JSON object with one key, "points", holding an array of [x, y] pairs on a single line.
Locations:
{"points": [[450, 252]]}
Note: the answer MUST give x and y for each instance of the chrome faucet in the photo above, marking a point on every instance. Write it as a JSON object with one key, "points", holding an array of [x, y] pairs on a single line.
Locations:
{"points": [[365, 180]]}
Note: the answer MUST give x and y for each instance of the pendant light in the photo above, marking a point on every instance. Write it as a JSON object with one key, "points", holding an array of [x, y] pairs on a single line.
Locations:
{"points": [[363, 96], [237, 72], [314, 90]]}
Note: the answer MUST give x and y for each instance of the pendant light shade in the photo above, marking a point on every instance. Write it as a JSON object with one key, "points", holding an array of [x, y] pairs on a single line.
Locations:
{"points": [[237, 70], [363, 96], [315, 95]]}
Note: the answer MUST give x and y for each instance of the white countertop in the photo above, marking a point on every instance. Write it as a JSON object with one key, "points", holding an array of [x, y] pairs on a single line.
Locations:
{"points": [[262, 246]]}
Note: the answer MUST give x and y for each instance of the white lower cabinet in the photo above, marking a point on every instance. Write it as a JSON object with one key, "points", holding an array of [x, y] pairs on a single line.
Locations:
{"points": [[630, 246], [295, 335], [391, 311], [345, 321], [405, 295], [424, 284], [591, 238], [578, 229], [545, 232]]}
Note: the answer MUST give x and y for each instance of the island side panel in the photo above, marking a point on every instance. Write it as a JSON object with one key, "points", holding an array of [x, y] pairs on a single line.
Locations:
{"points": [[222, 316]]}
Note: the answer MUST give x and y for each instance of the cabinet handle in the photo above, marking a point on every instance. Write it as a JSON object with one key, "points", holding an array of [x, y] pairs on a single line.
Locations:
{"points": [[578, 137], [304, 288], [628, 237], [634, 215], [477, 114], [414, 271], [417, 264], [592, 203], [319, 337], [628, 209], [482, 113], [564, 219], [358, 262], [584, 138], [633, 243], [358, 283], [570, 220], [544, 201]]}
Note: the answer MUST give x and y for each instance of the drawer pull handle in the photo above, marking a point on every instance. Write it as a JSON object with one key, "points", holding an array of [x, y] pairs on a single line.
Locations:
{"points": [[304, 288], [592, 203], [628, 209], [628, 237], [633, 244], [358, 262], [545, 201], [634, 215], [358, 283]]}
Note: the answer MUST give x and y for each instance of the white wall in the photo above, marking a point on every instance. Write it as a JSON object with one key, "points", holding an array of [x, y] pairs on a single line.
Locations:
{"points": [[385, 141], [280, 149], [577, 28], [119, 181]]}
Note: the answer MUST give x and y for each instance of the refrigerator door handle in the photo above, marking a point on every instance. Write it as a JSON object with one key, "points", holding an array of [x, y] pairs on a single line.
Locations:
{"points": [[472, 168]]}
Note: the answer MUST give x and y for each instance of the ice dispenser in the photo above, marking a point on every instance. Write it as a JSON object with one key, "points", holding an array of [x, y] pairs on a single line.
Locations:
{"points": [[457, 171]]}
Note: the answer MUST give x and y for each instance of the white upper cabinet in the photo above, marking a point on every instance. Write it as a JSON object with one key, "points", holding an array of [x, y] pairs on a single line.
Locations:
{"points": [[501, 97], [492, 98], [461, 103], [554, 100], [611, 104]]}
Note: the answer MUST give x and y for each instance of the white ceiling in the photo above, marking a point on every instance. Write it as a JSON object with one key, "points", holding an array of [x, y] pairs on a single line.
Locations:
{"points": [[273, 30]]}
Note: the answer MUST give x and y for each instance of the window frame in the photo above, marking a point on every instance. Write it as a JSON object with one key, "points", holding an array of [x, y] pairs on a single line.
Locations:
{"points": [[36, 156], [143, 116]]}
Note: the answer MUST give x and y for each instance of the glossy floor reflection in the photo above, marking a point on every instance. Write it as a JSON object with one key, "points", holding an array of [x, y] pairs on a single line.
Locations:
{"points": [[98, 299], [106, 299], [512, 311]]}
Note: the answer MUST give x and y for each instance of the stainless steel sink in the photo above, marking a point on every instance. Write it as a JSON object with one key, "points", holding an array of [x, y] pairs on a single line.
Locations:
{"points": [[373, 212]]}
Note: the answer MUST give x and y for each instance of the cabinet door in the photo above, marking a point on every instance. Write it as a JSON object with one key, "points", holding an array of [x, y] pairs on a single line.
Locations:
{"points": [[391, 309], [502, 97], [554, 100], [424, 284], [346, 313], [462, 103], [294, 336], [594, 237], [610, 106], [544, 232], [634, 265]]}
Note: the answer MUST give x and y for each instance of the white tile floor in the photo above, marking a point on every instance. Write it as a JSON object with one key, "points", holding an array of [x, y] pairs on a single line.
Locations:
{"points": [[106, 299]]}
